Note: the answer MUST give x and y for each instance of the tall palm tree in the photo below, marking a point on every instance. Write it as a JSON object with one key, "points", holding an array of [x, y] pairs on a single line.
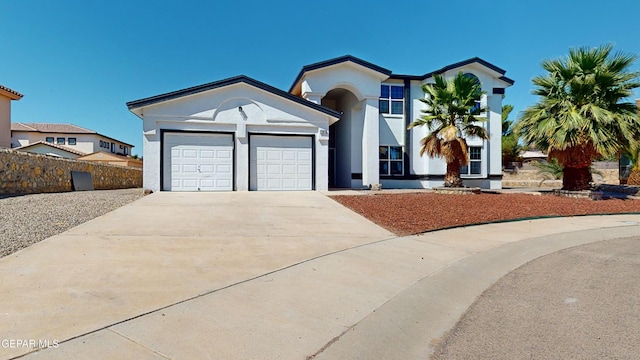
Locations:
{"points": [[451, 115], [582, 113]]}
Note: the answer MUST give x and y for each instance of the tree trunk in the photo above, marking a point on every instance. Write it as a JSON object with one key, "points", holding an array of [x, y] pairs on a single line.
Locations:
{"points": [[576, 178], [452, 178], [634, 178]]}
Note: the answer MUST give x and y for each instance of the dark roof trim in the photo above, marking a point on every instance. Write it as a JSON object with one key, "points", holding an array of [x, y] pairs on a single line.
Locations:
{"points": [[335, 61], [457, 65], [408, 77], [466, 62], [507, 80], [227, 82]]}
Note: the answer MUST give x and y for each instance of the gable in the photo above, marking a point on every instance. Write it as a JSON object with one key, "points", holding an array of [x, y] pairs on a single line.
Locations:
{"points": [[239, 102], [356, 64], [138, 106]]}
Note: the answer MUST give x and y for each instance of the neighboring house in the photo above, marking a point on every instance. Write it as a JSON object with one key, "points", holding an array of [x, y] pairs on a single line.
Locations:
{"points": [[532, 155], [112, 159], [65, 140], [47, 148], [343, 123], [6, 96]]}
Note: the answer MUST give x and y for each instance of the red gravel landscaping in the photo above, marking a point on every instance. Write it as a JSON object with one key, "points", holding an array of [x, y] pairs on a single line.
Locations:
{"points": [[413, 213]]}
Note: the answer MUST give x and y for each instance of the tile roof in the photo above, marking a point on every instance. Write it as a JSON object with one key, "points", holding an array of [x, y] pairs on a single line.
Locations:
{"points": [[51, 128], [64, 148], [21, 127], [12, 94]]}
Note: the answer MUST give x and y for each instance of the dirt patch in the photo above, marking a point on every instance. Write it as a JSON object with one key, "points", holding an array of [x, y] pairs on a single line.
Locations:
{"points": [[413, 213]]}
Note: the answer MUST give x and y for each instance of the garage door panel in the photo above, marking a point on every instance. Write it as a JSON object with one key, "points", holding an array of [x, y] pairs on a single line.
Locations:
{"points": [[198, 162], [289, 169], [189, 153], [207, 154], [304, 169], [274, 169], [273, 155], [289, 155], [280, 162], [224, 169], [189, 169], [304, 156]]}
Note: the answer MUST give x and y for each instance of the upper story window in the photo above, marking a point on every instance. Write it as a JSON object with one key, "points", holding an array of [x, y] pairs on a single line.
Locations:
{"points": [[71, 141], [60, 141], [391, 100], [475, 110], [49, 139]]}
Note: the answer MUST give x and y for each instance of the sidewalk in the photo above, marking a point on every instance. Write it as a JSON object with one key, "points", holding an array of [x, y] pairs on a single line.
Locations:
{"points": [[384, 299]]}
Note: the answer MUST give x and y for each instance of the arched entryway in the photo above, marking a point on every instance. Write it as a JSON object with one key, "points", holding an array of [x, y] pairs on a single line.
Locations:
{"points": [[345, 138]]}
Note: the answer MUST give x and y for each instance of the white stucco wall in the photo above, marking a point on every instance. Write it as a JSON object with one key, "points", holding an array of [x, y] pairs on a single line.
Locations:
{"points": [[364, 83], [491, 150], [217, 110]]}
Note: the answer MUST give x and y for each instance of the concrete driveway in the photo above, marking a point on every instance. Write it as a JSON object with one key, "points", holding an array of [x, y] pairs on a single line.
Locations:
{"points": [[260, 276], [161, 250]]}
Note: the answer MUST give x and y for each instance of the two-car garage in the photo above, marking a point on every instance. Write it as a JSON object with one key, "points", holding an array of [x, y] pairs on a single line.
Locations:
{"points": [[205, 161], [236, 134]]}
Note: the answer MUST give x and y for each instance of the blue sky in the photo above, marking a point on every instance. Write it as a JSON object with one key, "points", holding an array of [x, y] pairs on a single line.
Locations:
{"points": [[80, 61]]}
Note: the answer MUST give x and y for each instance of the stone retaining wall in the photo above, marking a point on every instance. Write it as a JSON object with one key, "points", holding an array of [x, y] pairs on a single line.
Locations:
{"points": [[27, 173], [531, 178]]}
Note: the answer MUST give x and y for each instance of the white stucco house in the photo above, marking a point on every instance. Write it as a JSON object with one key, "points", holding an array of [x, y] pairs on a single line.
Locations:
{"points": [[63, 140], [343, 123]]}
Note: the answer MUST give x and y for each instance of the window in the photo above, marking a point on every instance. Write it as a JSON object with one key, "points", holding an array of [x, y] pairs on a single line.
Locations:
{"points": [[475, 110], [475, 162], [113, 147], [71, 141], [391, 100], [391, 160], [49, 140], [60, 141], [126, 150]]}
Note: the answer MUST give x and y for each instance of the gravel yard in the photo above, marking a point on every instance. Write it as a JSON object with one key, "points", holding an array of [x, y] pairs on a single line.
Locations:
{"points": [[27, 219], [413, 213]]}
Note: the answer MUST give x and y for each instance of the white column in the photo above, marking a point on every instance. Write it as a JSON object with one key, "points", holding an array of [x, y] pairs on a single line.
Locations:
{"points": [[371, 143], [494, 148]]}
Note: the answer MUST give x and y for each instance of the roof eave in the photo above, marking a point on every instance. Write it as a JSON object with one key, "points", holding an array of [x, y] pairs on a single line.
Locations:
{"points": [[139, 104], [336, 61], [11, 94]]}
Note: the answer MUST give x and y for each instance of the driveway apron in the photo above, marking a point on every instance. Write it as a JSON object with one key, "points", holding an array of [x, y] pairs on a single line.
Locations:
{"points": [[161, 250]]}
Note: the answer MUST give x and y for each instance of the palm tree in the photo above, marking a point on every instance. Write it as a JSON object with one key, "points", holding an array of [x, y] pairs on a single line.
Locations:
{"points": [[452, 107], [633, 153], [511, 147], [582, 113]]}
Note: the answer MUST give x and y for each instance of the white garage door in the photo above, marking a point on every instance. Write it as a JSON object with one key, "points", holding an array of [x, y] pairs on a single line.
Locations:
{"points": [[281, 162], [198, 162]]}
